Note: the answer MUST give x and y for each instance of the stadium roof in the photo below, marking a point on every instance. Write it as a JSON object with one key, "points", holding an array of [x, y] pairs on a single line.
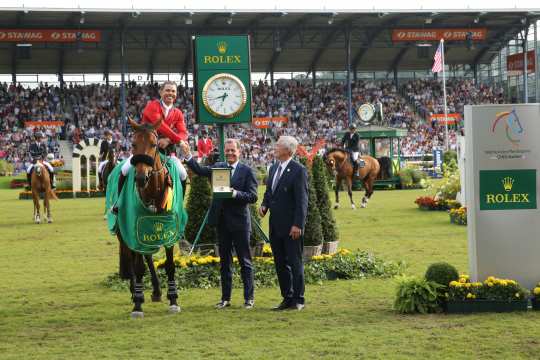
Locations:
{"points": [[282, 41]]}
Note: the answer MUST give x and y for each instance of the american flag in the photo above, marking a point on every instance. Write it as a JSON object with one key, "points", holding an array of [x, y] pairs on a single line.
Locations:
{"points": [[437, 59]]}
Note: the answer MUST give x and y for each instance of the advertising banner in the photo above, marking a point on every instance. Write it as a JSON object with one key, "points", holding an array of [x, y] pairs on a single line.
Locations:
{"points": [[38, 36], [478, 34], [267, 122], [514, 63], [503, 159]]}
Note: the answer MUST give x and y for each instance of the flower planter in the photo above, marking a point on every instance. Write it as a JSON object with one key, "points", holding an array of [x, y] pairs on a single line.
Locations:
{"points": [[478, 306], [310, 251], [330, 248], [535, 304]]}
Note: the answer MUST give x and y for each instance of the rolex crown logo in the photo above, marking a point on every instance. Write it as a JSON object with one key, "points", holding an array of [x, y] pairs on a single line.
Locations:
{"points": [[508, 182], [222, 47], [158, 227]]}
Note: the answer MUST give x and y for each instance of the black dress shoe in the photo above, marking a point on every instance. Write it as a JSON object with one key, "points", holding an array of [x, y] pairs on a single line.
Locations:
{"points": [[284, 305]]}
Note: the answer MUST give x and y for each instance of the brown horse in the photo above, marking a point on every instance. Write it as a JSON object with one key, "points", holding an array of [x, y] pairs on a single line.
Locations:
{"points": [[339, 163], [107, 169], [41, 184], [150, 182]]}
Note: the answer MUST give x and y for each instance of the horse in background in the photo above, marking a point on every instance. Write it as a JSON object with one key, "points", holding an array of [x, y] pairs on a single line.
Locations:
{"points": [[338, 161], [41, 183], [107, 169]]}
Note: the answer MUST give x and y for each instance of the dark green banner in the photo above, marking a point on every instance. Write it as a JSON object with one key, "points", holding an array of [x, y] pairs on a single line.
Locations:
{"points": [[222, 82], [507, 189]]}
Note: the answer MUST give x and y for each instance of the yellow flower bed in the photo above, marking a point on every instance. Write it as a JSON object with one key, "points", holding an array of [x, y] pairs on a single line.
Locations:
{"points": [[492, 289], [197, 260]]}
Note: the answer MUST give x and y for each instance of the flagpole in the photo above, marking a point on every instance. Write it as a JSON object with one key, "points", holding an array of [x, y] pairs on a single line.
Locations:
{"points": [[444, 94]]}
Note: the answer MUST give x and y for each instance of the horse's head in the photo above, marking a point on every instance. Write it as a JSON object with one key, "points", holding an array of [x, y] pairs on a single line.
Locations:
{"points": [[332, 159], [145, 150], [513, 123]]}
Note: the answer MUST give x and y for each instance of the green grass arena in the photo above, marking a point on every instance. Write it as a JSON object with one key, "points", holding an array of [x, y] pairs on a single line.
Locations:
{"points": [[53, 306]]}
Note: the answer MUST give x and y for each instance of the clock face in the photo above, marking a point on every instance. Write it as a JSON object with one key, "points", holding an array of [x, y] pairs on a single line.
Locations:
{"points": [[224, 95], [366, 112]]}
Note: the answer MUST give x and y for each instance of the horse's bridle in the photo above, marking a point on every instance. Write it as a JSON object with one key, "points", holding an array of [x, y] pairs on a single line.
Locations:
{"points": [[150, 162]]}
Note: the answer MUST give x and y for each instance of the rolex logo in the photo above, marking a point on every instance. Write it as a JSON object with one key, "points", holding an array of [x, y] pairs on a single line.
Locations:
{"points": [[158, 227], [507, 182], [222, 47]]}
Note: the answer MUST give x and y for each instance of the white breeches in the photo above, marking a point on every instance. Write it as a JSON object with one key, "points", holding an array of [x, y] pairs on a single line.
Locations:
{"points": [[181, 169], [355, 155], [49, 166]]}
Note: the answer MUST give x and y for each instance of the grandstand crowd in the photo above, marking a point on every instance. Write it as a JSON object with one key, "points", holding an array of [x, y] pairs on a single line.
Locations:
{"points": [[313, 113]]}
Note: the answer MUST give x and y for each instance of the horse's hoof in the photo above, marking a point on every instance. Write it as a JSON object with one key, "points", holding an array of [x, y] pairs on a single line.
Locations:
{"points": [[174, 309], [49, 221], [353, 207], [137, 315], [156, 298], [336, 206], [363, 205]]}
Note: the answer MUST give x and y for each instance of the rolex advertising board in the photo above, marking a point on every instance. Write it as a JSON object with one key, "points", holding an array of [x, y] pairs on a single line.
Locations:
{"points": [[222, 79], [503, 160]]}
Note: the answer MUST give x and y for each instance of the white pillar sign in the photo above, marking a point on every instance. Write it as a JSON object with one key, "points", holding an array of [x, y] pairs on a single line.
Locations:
{"points": [[503, 160]]}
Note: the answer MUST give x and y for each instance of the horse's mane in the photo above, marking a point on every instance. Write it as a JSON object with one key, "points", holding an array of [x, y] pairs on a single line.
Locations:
{"points": [[332, 150]]}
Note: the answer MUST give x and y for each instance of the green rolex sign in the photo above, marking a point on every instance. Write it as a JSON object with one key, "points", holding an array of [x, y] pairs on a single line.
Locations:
{"points": [[222, 81], [507, 189]]}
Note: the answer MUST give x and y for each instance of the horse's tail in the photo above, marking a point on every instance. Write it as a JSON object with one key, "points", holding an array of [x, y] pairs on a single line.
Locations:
{"points": [[385, 167], [52, 194]]}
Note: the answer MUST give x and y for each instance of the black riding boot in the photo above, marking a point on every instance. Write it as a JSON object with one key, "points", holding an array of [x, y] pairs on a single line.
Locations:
{"points": [[121, 181], [29, 181], [53, 184], [355, 168]]}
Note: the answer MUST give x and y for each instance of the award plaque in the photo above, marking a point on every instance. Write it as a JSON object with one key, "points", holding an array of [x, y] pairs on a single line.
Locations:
{"points": [[221, 183]]}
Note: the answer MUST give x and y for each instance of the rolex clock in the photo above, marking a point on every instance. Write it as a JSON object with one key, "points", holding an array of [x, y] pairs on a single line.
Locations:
{"points": [[366, 112], [224, 95]]}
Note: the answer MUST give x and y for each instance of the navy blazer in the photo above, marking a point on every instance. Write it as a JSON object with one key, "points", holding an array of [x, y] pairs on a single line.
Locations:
{"points": [[233, 212], [289, 202]]}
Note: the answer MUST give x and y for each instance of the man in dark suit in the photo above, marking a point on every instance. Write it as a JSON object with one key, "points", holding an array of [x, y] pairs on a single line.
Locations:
{"points": [[286, 197], [233, 220]]}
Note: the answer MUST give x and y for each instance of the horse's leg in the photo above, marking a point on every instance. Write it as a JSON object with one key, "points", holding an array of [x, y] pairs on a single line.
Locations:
{"points": [[138, 269], [156, 289], [47, 206], [349, 191], [172, 292], [338, 184], [37, 216]]}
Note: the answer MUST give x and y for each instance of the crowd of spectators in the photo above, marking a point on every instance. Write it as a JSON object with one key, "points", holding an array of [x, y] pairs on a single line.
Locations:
{"points": [[313, 113]]}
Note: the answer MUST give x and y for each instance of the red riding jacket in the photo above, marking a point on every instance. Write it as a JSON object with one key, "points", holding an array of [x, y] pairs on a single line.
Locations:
{"points": [[173, 127]]}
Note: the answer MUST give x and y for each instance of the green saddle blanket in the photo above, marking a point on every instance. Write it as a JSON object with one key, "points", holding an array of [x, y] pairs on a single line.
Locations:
{"points": [[143, 230]]}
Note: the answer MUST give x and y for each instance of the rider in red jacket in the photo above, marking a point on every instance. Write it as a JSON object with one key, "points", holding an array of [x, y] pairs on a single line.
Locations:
{"points": [[172, 129]]}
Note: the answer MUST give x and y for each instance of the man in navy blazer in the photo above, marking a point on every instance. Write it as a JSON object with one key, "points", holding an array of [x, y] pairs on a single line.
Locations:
{"points": [[232, 219], [286, 197]]}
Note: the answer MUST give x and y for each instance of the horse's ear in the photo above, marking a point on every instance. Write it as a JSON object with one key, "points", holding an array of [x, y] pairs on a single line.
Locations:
{"points": [[157, 124], [133, 123]]}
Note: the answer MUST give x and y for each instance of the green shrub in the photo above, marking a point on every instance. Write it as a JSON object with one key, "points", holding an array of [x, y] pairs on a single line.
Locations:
{"points": [[313, 235], [198, 202], [405, 178], [328, 223], [442, 273], [449, 156], [417, 295]]}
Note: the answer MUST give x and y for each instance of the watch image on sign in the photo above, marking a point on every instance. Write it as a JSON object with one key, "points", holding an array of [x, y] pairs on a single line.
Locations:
{"points": [[221, 182], [224, 95], [366, 112]]}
